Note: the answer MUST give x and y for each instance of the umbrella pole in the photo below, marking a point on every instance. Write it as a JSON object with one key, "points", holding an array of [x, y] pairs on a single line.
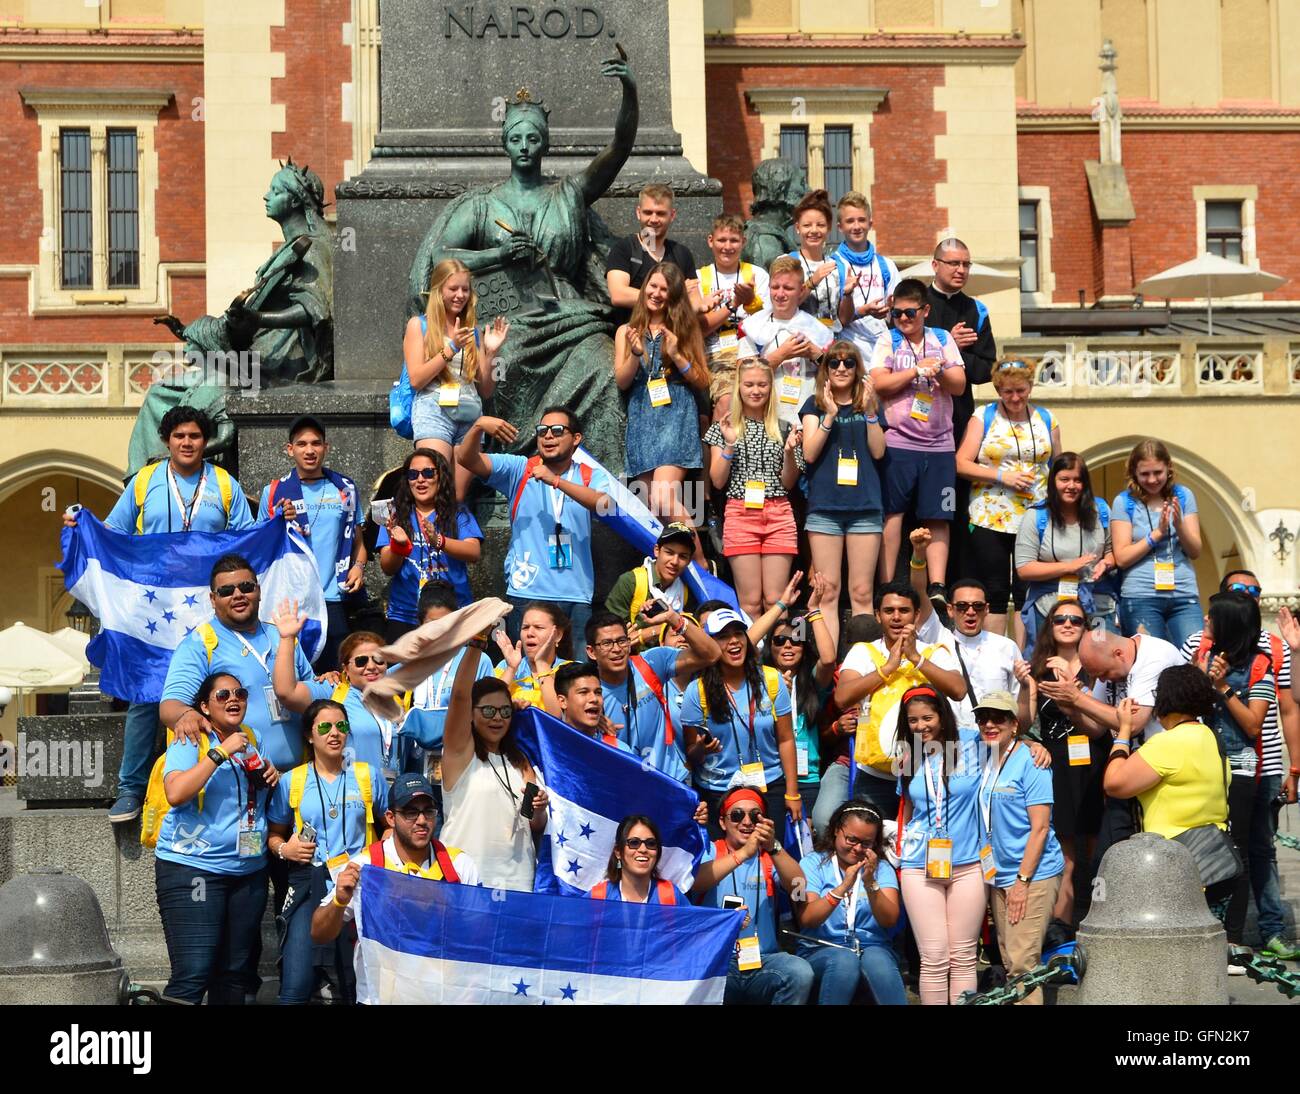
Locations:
{"points": [[1209, 310]]}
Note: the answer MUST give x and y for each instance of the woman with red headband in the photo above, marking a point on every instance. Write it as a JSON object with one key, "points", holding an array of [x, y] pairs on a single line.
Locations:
{"points": [[742, 871], [942, 881]]}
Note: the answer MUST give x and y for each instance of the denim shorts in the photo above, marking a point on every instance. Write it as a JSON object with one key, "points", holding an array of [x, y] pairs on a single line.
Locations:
{"points": [[431, 422], [844, 524]]}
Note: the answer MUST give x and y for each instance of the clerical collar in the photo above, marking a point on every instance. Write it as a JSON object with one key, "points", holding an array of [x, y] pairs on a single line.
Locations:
{"points": [[945, 295]]}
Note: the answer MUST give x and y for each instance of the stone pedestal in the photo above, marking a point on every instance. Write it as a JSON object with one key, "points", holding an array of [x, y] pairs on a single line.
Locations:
{"points": [[69, 759], [1149, 937]]}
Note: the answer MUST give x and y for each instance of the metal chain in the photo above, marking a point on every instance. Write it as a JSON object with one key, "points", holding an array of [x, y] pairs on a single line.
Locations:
{"points": [[1288, 841], [1269, 970], [1062, 969]]}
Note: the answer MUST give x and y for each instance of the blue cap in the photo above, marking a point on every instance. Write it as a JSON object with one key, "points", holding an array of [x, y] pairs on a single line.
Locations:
{"points": [[407, 787]]}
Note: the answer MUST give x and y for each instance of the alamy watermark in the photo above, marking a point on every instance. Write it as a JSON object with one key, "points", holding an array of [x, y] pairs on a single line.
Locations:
{"points": [[240, 370], [74, 759]]}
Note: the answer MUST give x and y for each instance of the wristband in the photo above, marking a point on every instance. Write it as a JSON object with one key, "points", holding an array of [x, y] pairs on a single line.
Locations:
{"points": [[402, 551], [1295, 771], [830, 895], [999, 474], [1150, 542], [1126, 745], [783, 605], [873, 419], [337, 901], [681, 626], [824, 426], [793, 797], [917, 565], [224, 754], [280, 850], [816, 614], [728, 456]]}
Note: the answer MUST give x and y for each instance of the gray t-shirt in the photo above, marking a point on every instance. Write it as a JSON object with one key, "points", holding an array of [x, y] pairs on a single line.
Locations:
{"points": [[1060, 544]]}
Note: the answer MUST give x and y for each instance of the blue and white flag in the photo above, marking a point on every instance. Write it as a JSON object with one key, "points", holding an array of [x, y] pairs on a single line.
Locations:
{"points": [[150, 591], [429, 942], [632, 520], [592, 787]]}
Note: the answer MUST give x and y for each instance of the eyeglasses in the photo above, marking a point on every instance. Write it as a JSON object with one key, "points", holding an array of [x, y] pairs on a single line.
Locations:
{"points": [[1067, 620], [976, 606], [633, 843], [855, 841], [553, 430], [363, 659], [489, 712], [736, 816], [605, 645], [956, 263], [222, 694], [245, 587], [414, 473], [343, 726], [780, 640], [994, 717], [846, 364], [412, 813], [1242, 587], [899, 313]]}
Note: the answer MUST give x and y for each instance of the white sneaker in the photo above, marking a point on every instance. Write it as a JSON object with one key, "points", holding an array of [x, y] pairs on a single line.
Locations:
{"points": [[1237, 951]]}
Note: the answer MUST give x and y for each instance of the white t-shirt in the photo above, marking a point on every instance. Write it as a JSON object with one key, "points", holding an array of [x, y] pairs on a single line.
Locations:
{"points": [[1154, 655], [762, 330], [715, 280]]}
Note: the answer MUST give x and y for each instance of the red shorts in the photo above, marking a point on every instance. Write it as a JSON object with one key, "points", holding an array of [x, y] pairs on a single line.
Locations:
{"points": [[767, 531]]}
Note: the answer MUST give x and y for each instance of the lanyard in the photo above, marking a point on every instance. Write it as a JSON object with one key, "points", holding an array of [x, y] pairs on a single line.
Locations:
{"points": [[986, 807], [871, 283], [808, 270], [851, 908], [385, 736], [442, 681], [718, 275], [933, 790], [261, 657], [1173, 532], [1033, 439], [1053, 531], [505, 783], [629, 708], [917, 357], [732, 711], [187, 512], [427, 553], [340, 805]]}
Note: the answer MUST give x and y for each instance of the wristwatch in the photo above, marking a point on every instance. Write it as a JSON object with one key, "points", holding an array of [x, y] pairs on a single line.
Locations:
{"points": [[1022, 878], [777, 849], [216, 757]]}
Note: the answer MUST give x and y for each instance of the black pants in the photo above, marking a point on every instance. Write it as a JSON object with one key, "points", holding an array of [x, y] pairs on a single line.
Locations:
{"points": [[336, 630], [1118, 823], [988, 556], [1241, 810]]}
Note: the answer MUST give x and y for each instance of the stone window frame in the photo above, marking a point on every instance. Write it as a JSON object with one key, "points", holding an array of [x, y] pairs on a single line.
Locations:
{"points": [[1248, 196], [1042, 197], [816, 108], [98, 110]]}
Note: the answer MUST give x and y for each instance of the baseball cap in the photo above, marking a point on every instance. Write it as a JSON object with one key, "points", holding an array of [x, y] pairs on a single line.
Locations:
{"points": [[408, 787], [719, 619], [998, 700], [677, 532]]}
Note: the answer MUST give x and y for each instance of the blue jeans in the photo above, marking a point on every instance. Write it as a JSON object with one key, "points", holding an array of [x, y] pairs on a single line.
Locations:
{"points": [[212, 924], [138, 749], [578, 615], [783, 981], [832, 793], [1173, 618], [840, 973], [1263, 859]]}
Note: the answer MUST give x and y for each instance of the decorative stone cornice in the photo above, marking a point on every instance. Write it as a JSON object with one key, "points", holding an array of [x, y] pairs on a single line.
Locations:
{"points": [[819, 100], [1153, 117], [868, 49]]}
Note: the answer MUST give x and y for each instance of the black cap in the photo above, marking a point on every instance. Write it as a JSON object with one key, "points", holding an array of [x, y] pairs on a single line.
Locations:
{"points": [[677, 532], [305, 421], [408, 787]]}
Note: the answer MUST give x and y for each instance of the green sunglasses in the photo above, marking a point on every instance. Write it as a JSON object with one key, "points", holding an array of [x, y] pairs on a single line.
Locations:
{"points": [[343, 727]]}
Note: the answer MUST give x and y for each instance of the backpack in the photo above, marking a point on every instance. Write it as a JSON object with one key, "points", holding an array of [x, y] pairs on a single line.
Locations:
{"points": [[441, 854], [667, 891], [298, 784], [401, 399], [225, 487], [990, 411], [876, 744], [771, 677], [720, 848], [156, 806], [655, 685], [1041, 515], [584, 472]]}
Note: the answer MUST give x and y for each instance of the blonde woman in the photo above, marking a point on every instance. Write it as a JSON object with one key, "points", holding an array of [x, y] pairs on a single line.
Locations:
{"points": [[755, 459], [1005, 454], [842, 439], [449, 361]]}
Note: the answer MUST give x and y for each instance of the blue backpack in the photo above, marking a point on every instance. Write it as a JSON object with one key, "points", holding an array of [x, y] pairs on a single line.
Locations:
{"points": [[401, 399], [989, 412]]}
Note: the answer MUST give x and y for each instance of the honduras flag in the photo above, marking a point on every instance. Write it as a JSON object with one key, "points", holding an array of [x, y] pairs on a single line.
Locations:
{"points": [[635, 523], [592, 787], [150, 592], [423, 941]]}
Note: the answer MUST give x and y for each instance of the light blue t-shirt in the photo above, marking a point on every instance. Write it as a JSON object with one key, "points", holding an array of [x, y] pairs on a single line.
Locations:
{"points": [[822, 875], [280, 742], [746, 882], [531, 571], [208, 838], [163, 514], [424, 562], [957, 806], [633, 706], [614, 893], [1139, 579], [366, 737], [732, 727], [324, 519], [347, 831], [428, 714], [1005, 798], [676, 693]]}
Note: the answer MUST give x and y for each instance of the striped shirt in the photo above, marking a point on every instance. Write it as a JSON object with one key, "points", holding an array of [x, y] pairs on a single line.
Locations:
{"points": [[1271, 734]]}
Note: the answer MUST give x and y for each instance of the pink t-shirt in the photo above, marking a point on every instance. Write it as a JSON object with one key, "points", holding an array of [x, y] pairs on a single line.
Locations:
{"points": [[919, 416]]}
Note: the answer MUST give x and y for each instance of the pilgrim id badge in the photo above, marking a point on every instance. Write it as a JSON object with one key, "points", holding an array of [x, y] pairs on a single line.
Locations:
{"points": [[748, 956], [1164, 577], [938, 859], [659, 393], [789, 390], [752, 775], [987, 866], [846, 471], [755, 492], [1067, 588], [560, 548], [449, 394], [1079, 750], [922, 402]]}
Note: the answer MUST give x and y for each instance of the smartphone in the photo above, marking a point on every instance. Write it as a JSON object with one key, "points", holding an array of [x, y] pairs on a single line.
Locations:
{"points": [[704, 735], [733, 903], [308, 834], [654, 609], [530, 792], [381, 511]]}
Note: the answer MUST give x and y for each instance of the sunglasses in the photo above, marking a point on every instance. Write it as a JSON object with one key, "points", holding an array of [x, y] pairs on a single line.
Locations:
{"points": [[996, 717], [413, 813], [964, 606], [779, 640], [1067, 620], [413, 473], [489, 712], [1242, 587], [736, 816], [900, 313], [222, 694], [553, 430], [847, 364], [245, 587], [634, 843], [342, 726], [363, 659]]}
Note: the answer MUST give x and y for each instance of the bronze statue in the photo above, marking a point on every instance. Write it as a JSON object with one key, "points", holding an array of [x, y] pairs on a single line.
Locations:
{"points": [[536, 250], [778, 185], [177, 384]]}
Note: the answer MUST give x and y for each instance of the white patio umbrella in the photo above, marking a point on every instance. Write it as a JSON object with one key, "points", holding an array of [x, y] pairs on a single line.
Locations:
{"points": [[73, 642], [1208, 276], [980, 279], [30, 658]]}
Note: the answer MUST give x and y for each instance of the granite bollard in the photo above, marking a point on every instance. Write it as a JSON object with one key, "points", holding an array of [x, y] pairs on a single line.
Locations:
{"points": [[1149, 937]]}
